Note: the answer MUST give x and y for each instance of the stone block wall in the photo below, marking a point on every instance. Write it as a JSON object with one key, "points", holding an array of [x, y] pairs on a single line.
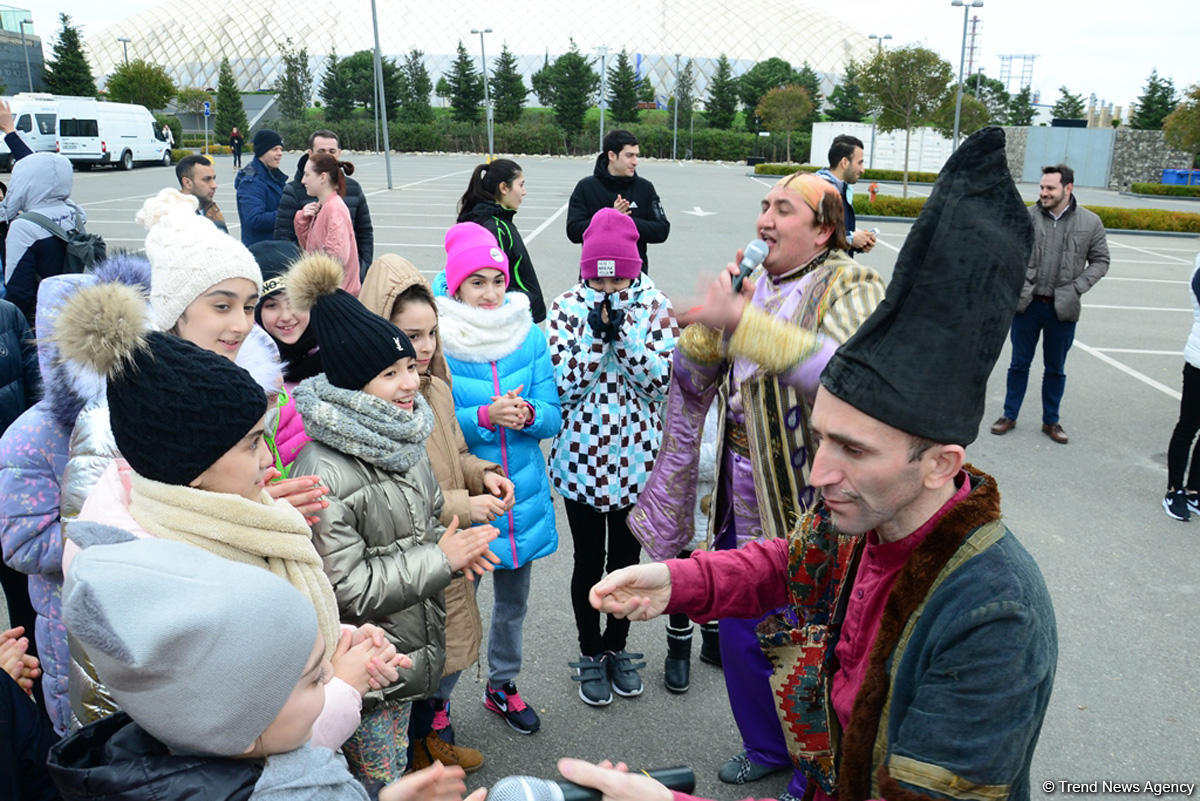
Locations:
{"points": [[1015, 138], [1141, 156]]}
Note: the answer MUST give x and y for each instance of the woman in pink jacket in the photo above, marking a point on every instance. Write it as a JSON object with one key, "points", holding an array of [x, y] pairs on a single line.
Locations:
{"points": [[326, 224]]}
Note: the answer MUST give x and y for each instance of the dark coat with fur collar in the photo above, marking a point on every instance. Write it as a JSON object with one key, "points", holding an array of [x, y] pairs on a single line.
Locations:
{"points": [[960, 674]]}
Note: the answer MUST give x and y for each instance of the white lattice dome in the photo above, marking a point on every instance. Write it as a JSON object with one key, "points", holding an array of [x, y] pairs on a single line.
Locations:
{"points": [[189, 39]]}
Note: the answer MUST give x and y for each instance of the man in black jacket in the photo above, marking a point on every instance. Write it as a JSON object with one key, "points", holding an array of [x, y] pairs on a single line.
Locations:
{"points": [[615, 183], [296, 196]]}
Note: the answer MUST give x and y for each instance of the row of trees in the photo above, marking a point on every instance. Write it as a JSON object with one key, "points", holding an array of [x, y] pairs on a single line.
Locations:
{"points": [[903, 88]]}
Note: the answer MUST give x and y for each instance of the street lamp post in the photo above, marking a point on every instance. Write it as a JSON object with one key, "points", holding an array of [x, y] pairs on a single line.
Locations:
{"points": [[25, 50], [962, 60], [487, 95], [675, 125], [603, 51], [879, 40], [124, 40], [380, 97]]}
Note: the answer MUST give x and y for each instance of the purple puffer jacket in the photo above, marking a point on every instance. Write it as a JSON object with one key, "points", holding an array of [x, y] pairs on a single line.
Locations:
{"points": [[33, 456]]}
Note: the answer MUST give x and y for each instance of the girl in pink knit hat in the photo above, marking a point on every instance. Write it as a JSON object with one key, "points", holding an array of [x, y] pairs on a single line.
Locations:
{"points": [[506, 401]]}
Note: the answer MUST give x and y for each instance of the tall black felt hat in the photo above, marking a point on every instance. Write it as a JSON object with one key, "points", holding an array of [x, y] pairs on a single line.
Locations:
{"points": [[921, 361]]}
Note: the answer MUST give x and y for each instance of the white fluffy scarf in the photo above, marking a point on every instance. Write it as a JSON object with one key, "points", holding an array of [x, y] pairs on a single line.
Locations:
{"points": [[483, 335]]}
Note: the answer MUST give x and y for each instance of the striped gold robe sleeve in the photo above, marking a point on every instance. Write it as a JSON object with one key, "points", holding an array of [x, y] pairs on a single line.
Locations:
{"points": [[851, 298]]}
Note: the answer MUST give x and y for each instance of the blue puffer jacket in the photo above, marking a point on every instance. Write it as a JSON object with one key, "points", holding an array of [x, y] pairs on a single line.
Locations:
{"points": [[20, 381], [490, 352], [258, 193]]}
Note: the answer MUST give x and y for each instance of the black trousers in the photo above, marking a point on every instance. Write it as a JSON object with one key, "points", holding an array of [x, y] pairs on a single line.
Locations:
{"points": [[603, 543], [1185, 433], [25, 739]]}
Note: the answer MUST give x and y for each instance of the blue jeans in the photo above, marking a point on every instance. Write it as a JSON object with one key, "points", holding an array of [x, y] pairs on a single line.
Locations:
{"points": [[1057, 336]]}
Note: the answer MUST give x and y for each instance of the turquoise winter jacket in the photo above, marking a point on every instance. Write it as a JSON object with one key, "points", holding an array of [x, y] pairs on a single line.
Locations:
{"points": [[490, 352]]}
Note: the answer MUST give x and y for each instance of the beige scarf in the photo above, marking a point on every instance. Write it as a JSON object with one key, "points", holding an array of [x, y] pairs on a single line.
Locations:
{"points": [[267, 533]]}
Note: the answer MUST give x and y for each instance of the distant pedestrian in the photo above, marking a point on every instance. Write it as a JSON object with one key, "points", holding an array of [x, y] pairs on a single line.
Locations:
{"points": [[295, 196], [326, 224], [492, 199], [844, 170], [167, 135], [1183, 500], [1070, 254], [259, 187], [235, 144], [615, 182]]}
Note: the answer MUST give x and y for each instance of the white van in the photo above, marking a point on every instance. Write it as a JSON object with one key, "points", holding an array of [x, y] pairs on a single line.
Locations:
{"points": [[94, 132], [36, 117]]}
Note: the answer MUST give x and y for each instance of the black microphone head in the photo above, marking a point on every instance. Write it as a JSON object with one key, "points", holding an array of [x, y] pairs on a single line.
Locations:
{"points": [[525, 788]]}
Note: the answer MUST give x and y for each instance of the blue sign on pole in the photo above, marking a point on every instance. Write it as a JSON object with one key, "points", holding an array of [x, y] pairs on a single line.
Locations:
{"points": [[207, 109]]}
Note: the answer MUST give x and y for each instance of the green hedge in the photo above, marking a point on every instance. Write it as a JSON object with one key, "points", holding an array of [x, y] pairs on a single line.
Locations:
{"points": [[1113, 218], [179, 153], [1175, 190], [536, 133], [868, 175]]}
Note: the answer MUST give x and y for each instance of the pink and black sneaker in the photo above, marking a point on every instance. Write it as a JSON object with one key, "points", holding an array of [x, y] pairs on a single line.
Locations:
{"points": [[506, 702]]}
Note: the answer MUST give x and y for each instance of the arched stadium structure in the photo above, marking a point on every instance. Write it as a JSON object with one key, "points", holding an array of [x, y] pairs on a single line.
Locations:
{"points": [[189, 40]]}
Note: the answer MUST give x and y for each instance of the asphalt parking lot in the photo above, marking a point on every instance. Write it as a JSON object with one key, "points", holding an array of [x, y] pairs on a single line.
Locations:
{"points": [[1126, 705]]}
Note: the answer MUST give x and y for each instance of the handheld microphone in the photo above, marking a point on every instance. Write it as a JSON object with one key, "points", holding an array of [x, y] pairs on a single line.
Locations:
{"points": [[528, 788], [752, 256]]}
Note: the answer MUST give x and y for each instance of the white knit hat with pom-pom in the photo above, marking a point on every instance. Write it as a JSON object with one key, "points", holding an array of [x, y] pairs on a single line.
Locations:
{"points": [[188, 254]]}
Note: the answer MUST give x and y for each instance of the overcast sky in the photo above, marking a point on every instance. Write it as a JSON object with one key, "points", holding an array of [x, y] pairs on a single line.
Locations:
{"points": [[1101, 47]]}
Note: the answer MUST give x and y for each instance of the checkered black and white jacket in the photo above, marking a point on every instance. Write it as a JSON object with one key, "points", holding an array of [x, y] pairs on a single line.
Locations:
{"points": [[611, 393]]}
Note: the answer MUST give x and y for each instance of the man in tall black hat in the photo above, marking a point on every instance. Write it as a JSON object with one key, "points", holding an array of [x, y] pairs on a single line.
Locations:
{"points": [[921, 651]]}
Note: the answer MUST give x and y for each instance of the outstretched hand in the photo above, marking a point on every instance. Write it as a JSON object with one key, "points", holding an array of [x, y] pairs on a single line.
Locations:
{"points": [[434, 783], [639, 592], [615, 782]]}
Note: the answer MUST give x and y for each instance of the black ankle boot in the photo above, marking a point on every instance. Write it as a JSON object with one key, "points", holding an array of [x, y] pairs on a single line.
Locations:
{"points": [[710, 644], [677, 669]]}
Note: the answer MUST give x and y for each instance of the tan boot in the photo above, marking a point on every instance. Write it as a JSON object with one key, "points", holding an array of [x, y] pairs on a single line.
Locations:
{"points": [[439, 750]]}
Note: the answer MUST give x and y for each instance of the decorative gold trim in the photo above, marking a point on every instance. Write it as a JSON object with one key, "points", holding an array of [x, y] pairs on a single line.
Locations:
{"points": [[936, 778]]}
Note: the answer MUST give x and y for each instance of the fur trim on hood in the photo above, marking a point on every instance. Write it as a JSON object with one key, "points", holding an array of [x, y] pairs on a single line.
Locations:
{"points": [[387, 279], [259, 357]]}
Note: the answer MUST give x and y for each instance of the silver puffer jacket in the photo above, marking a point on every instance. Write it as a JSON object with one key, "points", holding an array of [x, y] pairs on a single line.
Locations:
{"points": [[378, 539]]}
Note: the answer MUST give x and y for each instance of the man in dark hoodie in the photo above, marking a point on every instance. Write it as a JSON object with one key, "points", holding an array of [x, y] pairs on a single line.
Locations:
{"points": [[295, 197], [615, 183]]}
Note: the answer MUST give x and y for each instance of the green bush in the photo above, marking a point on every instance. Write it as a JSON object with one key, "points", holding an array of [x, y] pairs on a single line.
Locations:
{"points": [[1175, 190], [868, 175], [179, 153], [1112, 217], [888, 205]]}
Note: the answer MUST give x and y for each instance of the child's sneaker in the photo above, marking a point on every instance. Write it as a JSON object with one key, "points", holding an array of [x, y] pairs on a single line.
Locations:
{"points": [[507, 703], [441, 720], [623, 672], [1193, 502], [1175, 505], [592, 675]]}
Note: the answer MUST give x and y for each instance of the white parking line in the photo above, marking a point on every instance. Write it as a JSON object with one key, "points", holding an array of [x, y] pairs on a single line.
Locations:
{"points": [[1173, 259], [1145, 379], [1135, 308], [546, 224], [1145, 280], [1141, 352], [422, 181]]}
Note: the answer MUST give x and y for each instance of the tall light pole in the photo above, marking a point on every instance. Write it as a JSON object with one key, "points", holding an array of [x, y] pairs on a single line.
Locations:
{"points": [[962, 60], [879, 40], [25, 50], [603, 51], [124, 40], [380, 97], [675, 126], [487, 94]]}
